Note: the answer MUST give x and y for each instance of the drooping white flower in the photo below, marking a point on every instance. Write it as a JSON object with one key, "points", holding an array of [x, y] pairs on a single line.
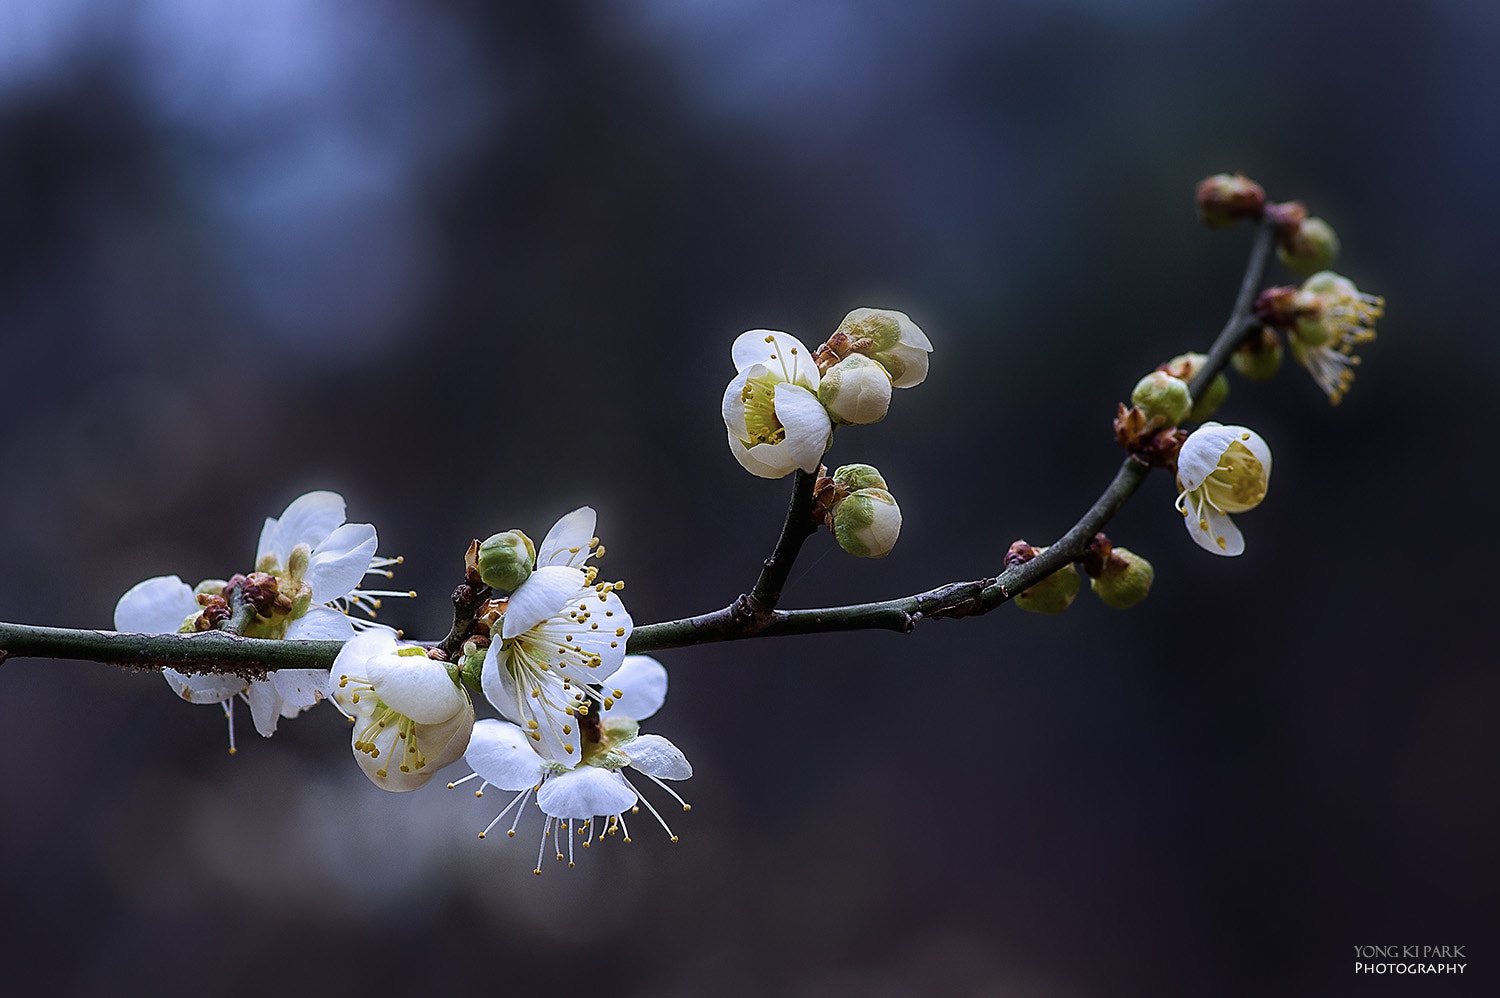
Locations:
{"points": [[590, 797], [1221, 470], [410, 717], [776, 423], [561, 631]]}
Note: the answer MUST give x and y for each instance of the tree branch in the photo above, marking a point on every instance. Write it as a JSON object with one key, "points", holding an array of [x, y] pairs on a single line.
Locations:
{"points": [[752, 615]]}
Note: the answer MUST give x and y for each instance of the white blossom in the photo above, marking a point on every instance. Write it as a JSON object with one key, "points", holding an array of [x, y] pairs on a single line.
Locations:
{"points": [[1221, 470], [776, 423]]}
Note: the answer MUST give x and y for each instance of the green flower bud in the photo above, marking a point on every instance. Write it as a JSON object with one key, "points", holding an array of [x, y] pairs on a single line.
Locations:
{"points": [[1161, 396], [1184, 366], [1225, 198], [1259, 357], [471, 663], [1308, 247], [1125, 580], [856, 390], [1053, 594], [506, 560], [859, 476], [867, 523]]}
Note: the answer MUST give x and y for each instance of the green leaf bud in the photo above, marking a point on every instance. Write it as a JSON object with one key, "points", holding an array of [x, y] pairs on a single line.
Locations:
{"points": [[1162, 397], [1125, 580], [867, 523], [859, 476], [856, 390], [506, 560], [1053, 594]]}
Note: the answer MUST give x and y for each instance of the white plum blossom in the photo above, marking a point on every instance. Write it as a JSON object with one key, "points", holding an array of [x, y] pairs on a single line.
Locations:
{"points": [[592, 796], [1332, 318], [1221, 470], [561, 631], [776, 423], [317, 561], [411, 718]]}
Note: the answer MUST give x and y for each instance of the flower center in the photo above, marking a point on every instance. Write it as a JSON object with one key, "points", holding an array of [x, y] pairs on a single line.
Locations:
{"points": [[394, 734], [759, 396], [1238, 483]]}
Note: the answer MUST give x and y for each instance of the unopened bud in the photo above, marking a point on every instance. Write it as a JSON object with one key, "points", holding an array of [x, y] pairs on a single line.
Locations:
{"points": [[856, 390], [506, 560], [887, 337], [1053, 594], [1162, 398], [859, 476], [1186, 366], [1307, 246], [1259, 357], [867, 523], [1125, 579], [1225, 198]]}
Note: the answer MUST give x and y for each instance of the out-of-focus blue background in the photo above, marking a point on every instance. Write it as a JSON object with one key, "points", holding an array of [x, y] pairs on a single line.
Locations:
{"points": [[474, 265]]}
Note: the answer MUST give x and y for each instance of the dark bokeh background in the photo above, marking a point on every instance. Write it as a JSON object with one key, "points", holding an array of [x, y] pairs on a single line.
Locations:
{"points": [[474, 265]]}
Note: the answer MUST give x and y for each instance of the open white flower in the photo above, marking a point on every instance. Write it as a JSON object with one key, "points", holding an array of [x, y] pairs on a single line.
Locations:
{"points": [[165, 605], [1332, 318], [410, 717], [318, 562], [562, 630], [776, 423], [1221, 470], [593, 796]]}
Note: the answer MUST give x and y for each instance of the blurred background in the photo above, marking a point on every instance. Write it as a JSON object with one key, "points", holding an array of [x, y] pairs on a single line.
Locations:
{"points": [[474, 265]]}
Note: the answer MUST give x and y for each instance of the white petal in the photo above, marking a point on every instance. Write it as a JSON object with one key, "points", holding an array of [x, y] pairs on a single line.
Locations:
{"points": [[341, 561], [567, 543], [498, 684], [763, 460], [501, 754], [733, 406], [446, 742], [308, 520], [914, 365], [156, 606], [205, 687], [320, 623], [544, 593], [299, 688], [782, 354], [642, 682], [604, 634], [585, 792], [265, 706], [807, 425], [416, 686], [1201, 451], [655, 756], [1220, 535]]}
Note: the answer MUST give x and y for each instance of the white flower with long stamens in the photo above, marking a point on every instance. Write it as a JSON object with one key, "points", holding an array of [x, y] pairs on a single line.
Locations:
{"points": [[1332, 318], [317, 561], [562, 630], [1221, 470], [776, 423], [410, 717], [593, 797]]}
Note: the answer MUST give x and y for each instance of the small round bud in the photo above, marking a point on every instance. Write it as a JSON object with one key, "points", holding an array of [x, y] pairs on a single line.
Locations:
{"points": [[867, 523], [1125, 579], [1225, 198], [859, 476], [886, 336], [1308, 246], [1053, 594], [1162, 398], [856, 390], [1185, 366], [471, 662], [1259, 357], [506, 560]]}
